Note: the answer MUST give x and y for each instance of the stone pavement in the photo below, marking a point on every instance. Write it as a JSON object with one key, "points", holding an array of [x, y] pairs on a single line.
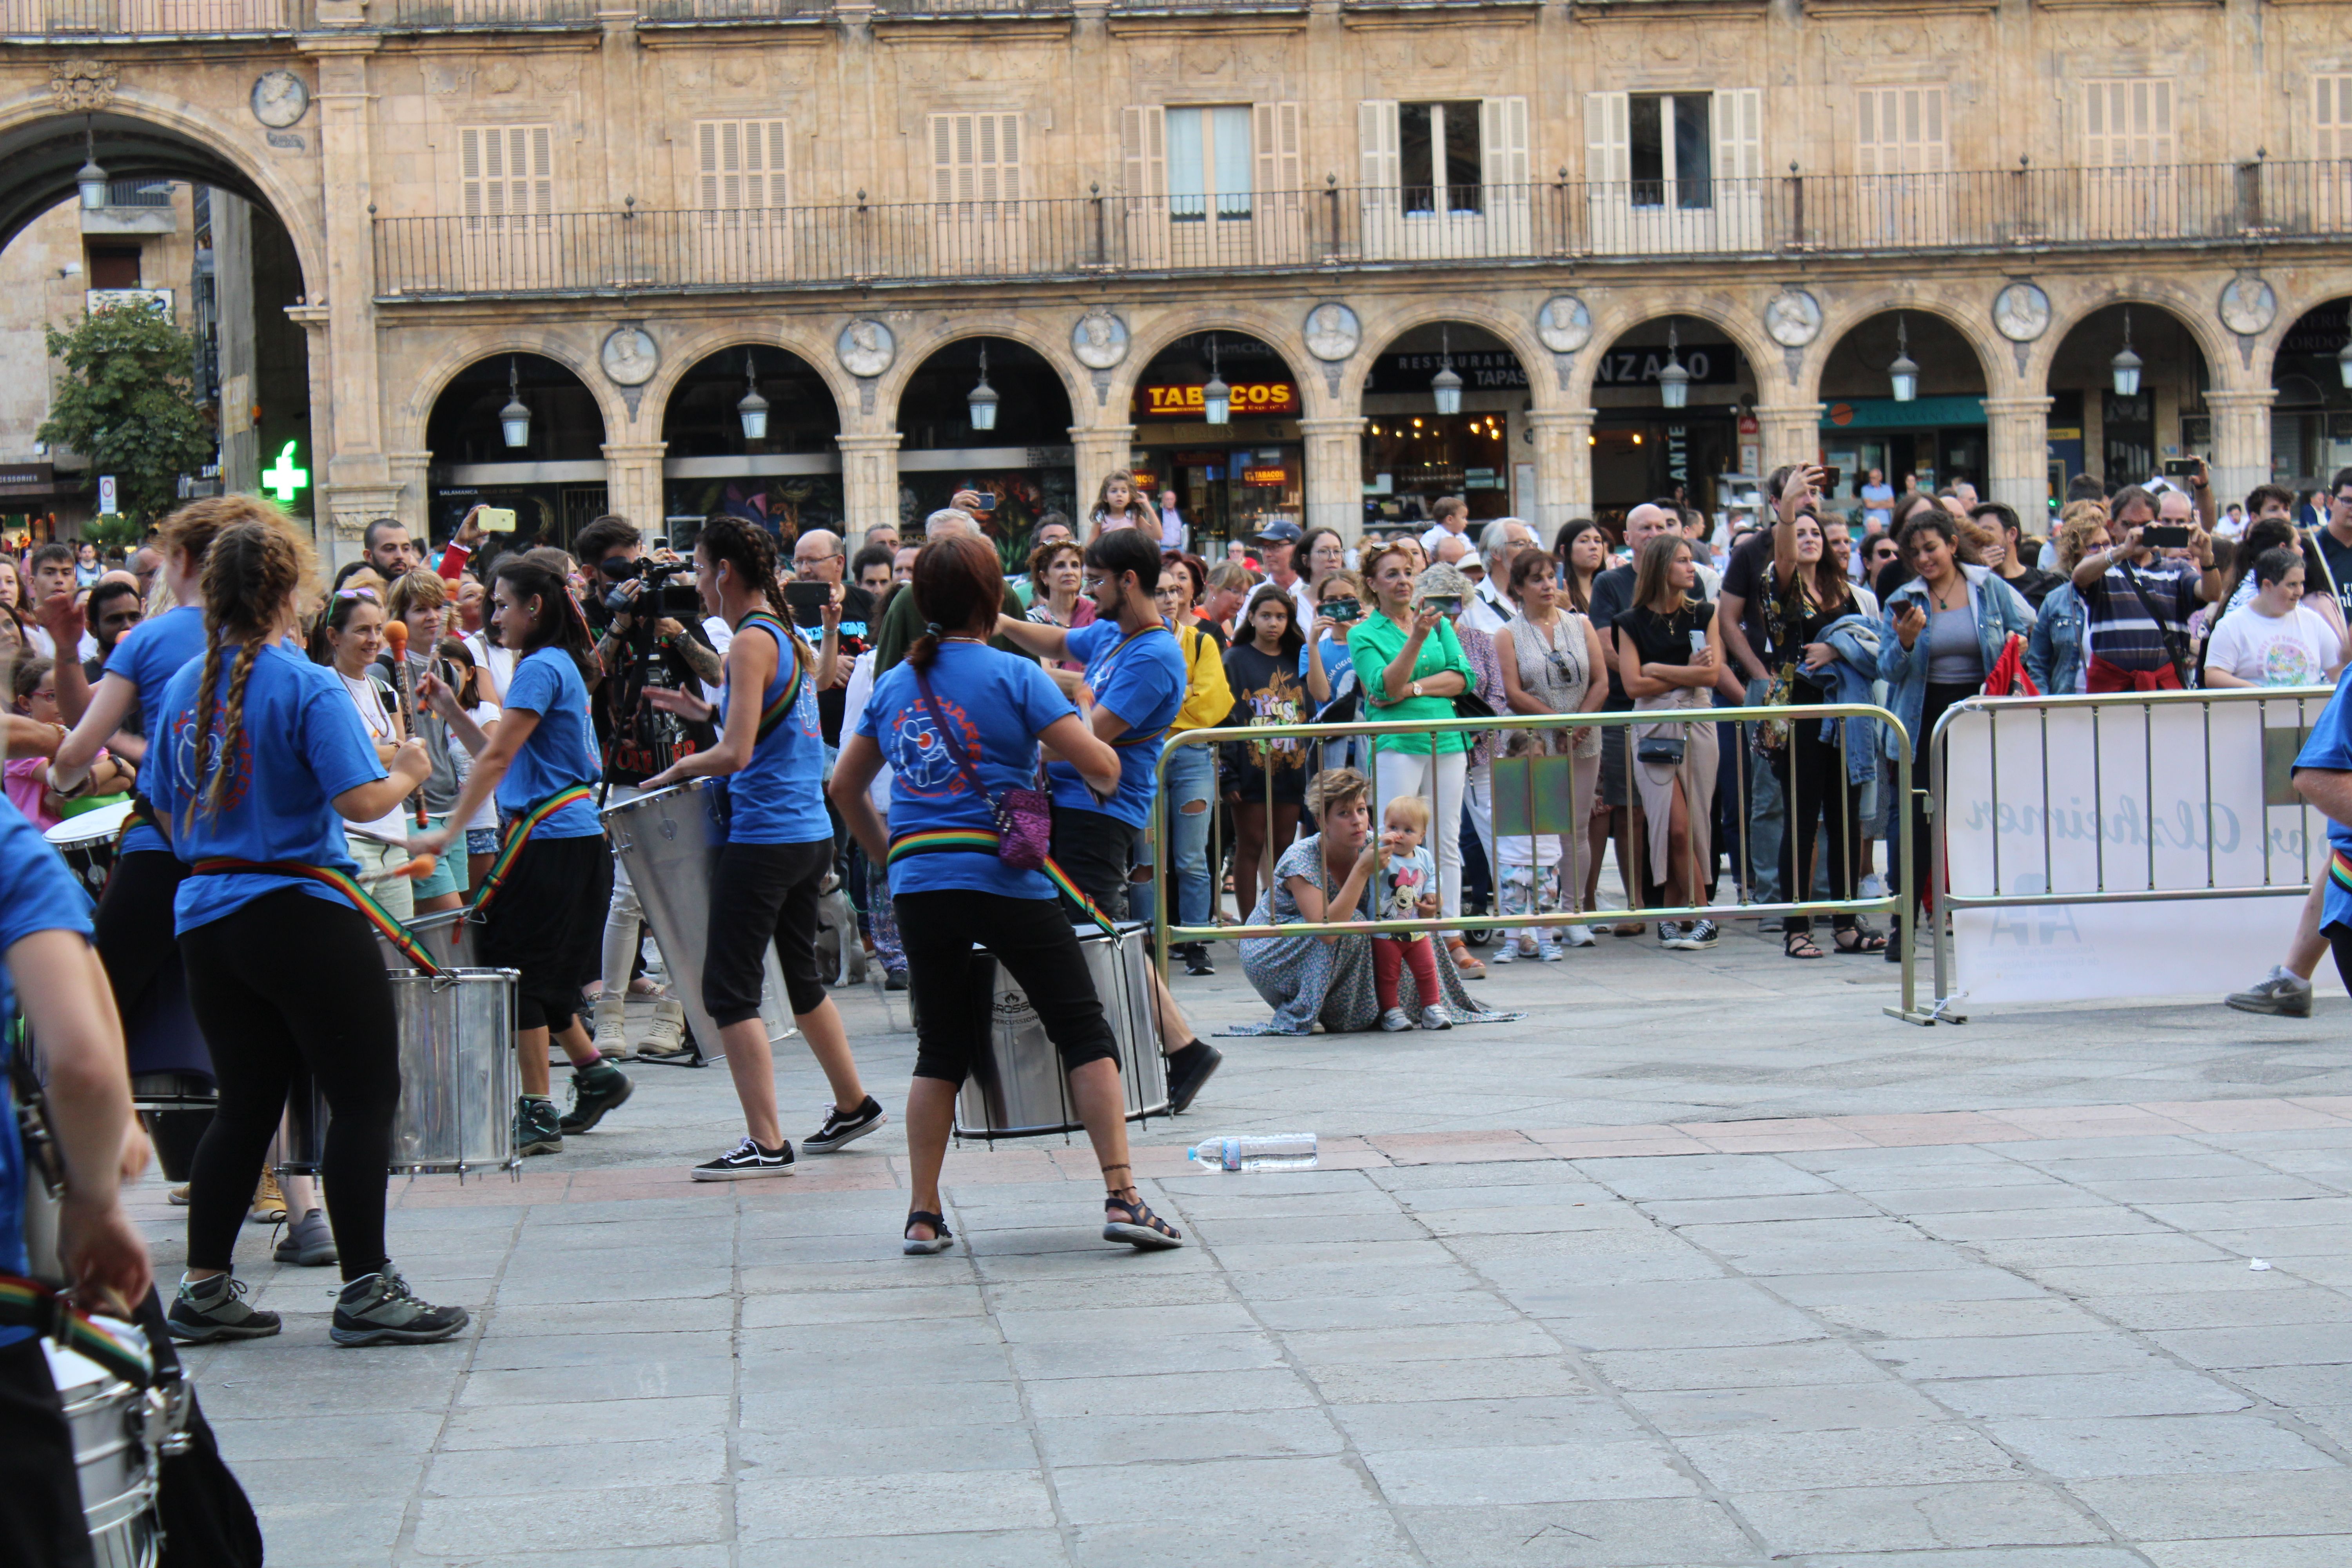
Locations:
{"points": [[1703, 1263]]}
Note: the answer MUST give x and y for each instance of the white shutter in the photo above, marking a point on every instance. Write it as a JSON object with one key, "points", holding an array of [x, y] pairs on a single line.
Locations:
{"points": [[1376, 133], [1900, 131], [975, 157], [542, 173], [506, 171], [1280, 149], [1502, 141], [1608, 143], [740, 165], [1143, 151], [2331, 117], [707, 160], [1005, 156], [469, 177], [1738, 115], [2127, 123]]}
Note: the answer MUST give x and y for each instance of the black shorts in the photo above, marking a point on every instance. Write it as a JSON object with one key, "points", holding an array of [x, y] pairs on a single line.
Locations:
{"points": [[1613, 756], [548, 922], [1096, 850], [763, 893]]}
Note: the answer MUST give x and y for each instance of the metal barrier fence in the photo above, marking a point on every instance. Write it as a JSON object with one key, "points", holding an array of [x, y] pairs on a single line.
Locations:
{"points": [[2133, 771], [1546, 795]]}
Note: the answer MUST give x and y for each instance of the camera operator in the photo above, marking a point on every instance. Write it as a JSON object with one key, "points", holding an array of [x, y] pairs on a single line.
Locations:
{"points": [[817, 558], [636, 739]]}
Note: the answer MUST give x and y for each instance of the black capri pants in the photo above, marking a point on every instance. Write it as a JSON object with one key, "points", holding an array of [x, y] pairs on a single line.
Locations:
{"points": [[292, 981], [548, 922], [765, 892], [1032, 940]]}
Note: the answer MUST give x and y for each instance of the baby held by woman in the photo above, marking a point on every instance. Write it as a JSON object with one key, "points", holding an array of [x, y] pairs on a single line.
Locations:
{"points": [[1408, 887]]}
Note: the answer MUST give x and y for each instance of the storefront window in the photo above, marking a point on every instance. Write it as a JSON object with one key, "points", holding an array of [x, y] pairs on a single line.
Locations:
{"points": [[1411, 460]]}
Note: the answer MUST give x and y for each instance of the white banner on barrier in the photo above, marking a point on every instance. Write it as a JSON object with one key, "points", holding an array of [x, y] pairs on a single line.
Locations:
{"points": [[2127, 797]]}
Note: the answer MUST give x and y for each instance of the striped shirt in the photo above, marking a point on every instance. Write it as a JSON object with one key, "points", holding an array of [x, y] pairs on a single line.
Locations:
{"points": [[2117, 626]]}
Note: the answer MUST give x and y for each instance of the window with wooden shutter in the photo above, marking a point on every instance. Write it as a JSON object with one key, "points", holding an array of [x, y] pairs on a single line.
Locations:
{"points": [[506, 172], [1900, 131], [2127, 123], [1209, 162], [1281, 148], [2331, 117], [975, 158], [741, 165], [1143, 151]]}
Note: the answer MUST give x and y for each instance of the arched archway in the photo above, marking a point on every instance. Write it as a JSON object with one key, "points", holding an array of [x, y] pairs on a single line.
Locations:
{"points": [[1230, 479], [1932, 437], [2124, 437], [553, 479], [2311, 418], [1706, 451], [1015, 451], [1415, 452], [790, 472]]}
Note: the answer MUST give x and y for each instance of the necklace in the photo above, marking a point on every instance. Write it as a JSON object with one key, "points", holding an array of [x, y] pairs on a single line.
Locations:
{"points": [[1936, 594]]}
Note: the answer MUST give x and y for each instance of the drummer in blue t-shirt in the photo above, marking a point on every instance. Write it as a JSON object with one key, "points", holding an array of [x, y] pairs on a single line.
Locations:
{"points": [[1135, 678], [45, 945], [2323, 776]]}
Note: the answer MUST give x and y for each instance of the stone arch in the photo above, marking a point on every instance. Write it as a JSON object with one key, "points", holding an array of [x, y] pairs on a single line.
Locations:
{"points": [[1974, 326], [1284, 336], [1616, 317], [682, 354], [1515, 327], [2332, 286], [406, 422], [2074, 305], [937, 332]]}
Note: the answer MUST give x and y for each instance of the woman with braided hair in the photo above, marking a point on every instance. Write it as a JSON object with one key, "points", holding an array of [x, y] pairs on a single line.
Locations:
{"points": [[779, 848], [543, 904], [258, 758]]}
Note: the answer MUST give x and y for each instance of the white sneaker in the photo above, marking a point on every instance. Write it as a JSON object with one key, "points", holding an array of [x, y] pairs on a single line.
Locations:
{"points": [[1550, 952], [1577, 936], [1394, 1021], [1508, 953], [1433, 1018], [1873, 886], [666, 1039], [611, 1027]]}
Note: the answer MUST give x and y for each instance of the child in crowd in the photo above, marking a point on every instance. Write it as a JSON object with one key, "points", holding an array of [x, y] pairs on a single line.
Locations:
{"points": [[1530, 884], [33, 685], [1408, 887]]}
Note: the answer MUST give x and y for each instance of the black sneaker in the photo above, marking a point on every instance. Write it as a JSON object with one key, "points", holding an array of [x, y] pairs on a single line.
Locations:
{"points": [[1196, 960], [536, 1130], [1187, 1070], [215, 1308], [841, 1129], [745, 1160], [595, 1091], [381, 1310], [894, 980]]}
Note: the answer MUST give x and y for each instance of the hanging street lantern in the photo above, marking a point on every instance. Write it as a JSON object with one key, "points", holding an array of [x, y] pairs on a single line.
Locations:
{"points": [[1674, 382], [753, 408], [983, 398], [2125, 365], [1904, 372], [514, 419]]}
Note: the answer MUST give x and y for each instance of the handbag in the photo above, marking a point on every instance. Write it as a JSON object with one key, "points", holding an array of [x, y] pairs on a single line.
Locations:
{"points": [[1470, 705], [1024, 818], [1666, 750]]}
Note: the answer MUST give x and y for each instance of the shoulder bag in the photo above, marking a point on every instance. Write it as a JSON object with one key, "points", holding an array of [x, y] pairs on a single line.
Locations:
{"points": [[1024, 818], [2173, 650]]}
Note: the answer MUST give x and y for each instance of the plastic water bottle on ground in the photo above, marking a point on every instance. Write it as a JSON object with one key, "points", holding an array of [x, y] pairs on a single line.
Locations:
{"points": [[1278, 1151]]}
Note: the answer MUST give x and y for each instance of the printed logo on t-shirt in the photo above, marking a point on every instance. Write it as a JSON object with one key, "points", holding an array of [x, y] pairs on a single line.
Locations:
{"points": [[919, 755], [2286, 662], [183, 758]]}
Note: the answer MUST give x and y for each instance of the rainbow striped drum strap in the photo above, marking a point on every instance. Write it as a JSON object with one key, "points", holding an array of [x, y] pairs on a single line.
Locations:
{"points": [[388, 926], [984, 841], [774, 713], [517, 836]]}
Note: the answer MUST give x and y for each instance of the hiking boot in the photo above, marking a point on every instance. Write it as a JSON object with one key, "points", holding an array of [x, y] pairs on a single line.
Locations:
{"points": [[665, 1040], [843, 1128], [381, 1310], [536, 1130], [306, 1241], [2281, 992], [215, 1308], [268, 1203], [595, 1091], [745, 1160], [611, 1027]]}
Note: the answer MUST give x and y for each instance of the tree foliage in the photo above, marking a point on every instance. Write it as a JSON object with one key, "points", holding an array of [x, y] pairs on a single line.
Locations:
{"points": [[128, 403]]}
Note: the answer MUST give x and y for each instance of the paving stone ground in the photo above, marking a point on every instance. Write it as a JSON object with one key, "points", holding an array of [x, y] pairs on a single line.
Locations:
{"points": [[1703, 1263]]}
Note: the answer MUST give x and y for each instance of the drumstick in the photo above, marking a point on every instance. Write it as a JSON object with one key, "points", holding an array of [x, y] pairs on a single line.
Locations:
{"points": [[396, 632]]}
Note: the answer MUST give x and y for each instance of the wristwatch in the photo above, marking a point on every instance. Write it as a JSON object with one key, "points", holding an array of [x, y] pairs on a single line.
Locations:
{"points": [[1416, 688]]}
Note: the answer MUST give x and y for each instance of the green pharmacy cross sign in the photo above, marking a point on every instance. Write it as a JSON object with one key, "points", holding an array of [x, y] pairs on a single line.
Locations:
{"points": [[284, 479]]}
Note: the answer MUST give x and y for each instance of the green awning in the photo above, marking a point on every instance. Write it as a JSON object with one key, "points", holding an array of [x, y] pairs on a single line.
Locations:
{"points": [[1885, 413]]}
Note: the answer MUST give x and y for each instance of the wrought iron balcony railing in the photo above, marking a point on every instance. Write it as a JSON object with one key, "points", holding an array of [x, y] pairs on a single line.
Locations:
{"points": [[803, 248], [69, 20]]}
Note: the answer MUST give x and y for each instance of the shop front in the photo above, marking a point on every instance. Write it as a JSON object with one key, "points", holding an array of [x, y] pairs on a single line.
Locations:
{"points": [[1232, 479], [1924, 444], [1414, 455], [1022, 484], [1644, 450]]}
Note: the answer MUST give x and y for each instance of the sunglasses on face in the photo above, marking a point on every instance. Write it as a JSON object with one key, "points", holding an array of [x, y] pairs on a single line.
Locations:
{"points": [[367, 594]]}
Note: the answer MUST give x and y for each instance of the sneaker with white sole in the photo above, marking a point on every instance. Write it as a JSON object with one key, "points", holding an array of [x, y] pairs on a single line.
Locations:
{"points": [[381, 1310], [1508, 953], [843, 1128], [1550, 952], [746, 1161], [1436, 1018], [1671, 934], [1394, 1021], [1700, 935], [610, 1027], [665, 1038], [1578, 936], [2281, 992], [215, 1308]]}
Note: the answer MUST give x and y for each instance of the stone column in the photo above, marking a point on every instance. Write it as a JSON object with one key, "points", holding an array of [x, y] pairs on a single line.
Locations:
{"points": [[633, 482], [349, 445], [343, 499], [869, 481], [1334, 475], [2018, 449], [411, 474], [1563, 467], [2241, 439], [1791, 433], [1099, 450]]}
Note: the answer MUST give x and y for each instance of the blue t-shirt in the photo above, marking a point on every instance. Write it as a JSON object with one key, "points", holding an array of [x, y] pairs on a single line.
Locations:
{"points": [[2330, 747], [999, 702], [36, 894], [777, 797], [561, 752], [1140, 678], [299, 745], [148, 656]]}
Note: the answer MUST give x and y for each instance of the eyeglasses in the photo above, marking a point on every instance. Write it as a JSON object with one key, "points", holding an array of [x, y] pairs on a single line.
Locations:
{"points": [[2343, 500]]}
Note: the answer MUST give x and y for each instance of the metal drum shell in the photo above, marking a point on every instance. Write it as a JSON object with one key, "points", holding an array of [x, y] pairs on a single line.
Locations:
{"points": [[447, 936], [87, 843], [1016, 1087], [458, 1079], [108, 1421], [668, 841]]}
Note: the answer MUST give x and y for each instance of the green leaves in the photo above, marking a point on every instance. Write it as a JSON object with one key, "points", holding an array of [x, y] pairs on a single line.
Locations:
{"points": [[129, 403]]}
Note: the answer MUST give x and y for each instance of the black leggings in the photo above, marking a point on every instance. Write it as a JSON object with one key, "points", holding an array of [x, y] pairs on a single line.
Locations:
{"points": [[1033, 939], [291, 981], [132, 929], [1914, 810], [759, 893], [1812, 784]]}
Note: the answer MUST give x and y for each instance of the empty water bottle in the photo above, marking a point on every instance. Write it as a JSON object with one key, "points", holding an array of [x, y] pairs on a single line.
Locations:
{"points": [[1278, 1151]]}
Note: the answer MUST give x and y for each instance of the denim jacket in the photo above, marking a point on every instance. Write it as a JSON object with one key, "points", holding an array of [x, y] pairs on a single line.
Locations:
{"points": [[1855, 638], [1999, 610], [2053, 655]]}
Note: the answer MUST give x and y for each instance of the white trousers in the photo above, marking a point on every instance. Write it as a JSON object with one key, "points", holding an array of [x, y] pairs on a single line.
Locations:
{"points": [[1412, 773]]}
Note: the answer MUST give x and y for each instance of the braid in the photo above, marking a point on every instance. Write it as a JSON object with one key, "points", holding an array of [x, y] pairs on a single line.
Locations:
{"points": [[254, 566], [208, 682], [232, 726], [752, 551]]}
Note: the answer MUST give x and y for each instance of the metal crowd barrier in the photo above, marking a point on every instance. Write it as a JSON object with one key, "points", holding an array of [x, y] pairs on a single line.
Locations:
{"points": [[2028, 884], [1559, 790]]}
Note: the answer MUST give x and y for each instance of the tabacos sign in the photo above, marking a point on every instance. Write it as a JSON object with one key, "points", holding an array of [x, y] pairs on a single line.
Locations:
{"points": [[1251, 400]]}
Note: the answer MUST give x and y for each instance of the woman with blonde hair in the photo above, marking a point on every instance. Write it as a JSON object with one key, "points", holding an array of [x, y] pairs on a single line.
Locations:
{"points": [[263, 759]]}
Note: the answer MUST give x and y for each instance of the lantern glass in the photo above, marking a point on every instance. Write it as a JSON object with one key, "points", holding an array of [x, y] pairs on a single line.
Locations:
{"points": [[753, 411], [2343, 363], [1905, 377], [1673, 385], [983, 401], [514, 423], [1217, 400], [2126, 366], [1446, 387]]}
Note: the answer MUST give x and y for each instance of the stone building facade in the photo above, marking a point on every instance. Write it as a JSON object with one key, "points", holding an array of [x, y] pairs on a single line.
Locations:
{"points": [[611, 208]]}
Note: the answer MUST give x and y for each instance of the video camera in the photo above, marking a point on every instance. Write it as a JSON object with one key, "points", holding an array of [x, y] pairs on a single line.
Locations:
{"points": [[660, 596]]}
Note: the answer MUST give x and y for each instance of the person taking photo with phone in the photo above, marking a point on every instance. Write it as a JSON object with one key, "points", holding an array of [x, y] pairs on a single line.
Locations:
{"points": [[2136, 603]]}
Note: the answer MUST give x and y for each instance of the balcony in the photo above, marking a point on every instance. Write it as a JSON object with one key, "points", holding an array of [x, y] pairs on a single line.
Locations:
{"points": [[74, 21], [133, 206], [2004, 212]]}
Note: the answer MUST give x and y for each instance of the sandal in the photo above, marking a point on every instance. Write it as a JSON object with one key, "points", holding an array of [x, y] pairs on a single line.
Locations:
{"points": [[1799, 944], [942, 1237], [1140, 1228], [1864, 940]]}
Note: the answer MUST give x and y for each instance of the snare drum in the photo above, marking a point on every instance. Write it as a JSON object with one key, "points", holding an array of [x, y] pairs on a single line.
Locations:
{"points": [[458, 1079], [1017, 1088], [109, 1421], [88, 842]]}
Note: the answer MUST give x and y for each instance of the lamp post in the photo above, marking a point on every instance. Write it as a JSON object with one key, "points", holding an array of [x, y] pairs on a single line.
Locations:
{"points": [[514, 419], [1446, 385], [1216, 398], [90, 180], [983, 398], [2125, 365], [1904, 372], [753, 408], [1674, 382]]}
